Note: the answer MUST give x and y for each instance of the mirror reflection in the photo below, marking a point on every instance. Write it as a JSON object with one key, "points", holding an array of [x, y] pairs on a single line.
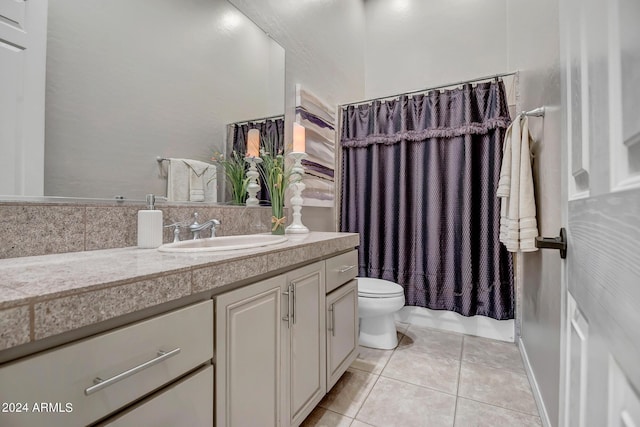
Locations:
{"points": [[128, 82]]}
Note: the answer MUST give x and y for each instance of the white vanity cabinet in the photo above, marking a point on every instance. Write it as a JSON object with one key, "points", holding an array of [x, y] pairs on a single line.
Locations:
{"points": [[270, 350], [342, 315], [87, 380]]}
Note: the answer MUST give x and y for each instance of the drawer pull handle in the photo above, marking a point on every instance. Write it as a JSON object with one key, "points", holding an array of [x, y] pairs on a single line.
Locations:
{"points": [[346, 268], [99, 383]]}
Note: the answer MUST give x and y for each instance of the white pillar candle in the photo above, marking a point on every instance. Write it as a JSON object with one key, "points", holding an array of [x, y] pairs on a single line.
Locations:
{"points": [[253, 143], [298, 138]]}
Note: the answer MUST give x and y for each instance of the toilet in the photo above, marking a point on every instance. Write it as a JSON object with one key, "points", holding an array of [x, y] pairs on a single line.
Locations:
{"points": [[378, 300]]}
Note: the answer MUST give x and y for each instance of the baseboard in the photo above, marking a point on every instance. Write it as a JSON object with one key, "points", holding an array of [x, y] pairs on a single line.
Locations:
{"points": [[503, 330], [542, 410]]}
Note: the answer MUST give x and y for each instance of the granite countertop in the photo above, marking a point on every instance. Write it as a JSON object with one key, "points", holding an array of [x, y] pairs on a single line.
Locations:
{"points": [[42, 296]]}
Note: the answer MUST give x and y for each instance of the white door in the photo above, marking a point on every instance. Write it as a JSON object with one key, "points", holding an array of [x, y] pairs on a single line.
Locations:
{"points": [[601, 102], [23, 42]]}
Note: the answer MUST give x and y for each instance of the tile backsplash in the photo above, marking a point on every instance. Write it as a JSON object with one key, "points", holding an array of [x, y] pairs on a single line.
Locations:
{"points": [[31, 229]]}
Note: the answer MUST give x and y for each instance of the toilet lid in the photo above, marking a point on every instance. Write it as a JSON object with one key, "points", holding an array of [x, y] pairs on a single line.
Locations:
{"points": [[378, 288]]}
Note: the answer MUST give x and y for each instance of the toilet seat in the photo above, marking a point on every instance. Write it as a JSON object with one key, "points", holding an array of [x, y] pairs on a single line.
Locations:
{"points": [[378, 288]]}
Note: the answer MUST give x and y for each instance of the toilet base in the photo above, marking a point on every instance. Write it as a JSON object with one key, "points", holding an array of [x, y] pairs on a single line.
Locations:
{"points": [[378, 332]]}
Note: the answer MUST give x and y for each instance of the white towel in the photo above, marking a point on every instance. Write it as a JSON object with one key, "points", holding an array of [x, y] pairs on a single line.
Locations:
{"points": [[504, 185], [196, 179], [518, 225], [191, 180], [178, 181], [211, 185]]}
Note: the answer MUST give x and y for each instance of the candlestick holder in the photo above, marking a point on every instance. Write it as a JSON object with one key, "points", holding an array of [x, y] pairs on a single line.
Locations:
{"points": [[297, 186], [252, 174]]}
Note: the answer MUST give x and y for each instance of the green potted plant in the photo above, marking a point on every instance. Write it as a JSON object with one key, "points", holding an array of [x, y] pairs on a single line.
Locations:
{"points": [[234, 170], [276, 178]]}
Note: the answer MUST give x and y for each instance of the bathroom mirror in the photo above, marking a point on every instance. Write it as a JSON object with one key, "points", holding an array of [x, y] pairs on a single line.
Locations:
{"points": [[128, 82]]}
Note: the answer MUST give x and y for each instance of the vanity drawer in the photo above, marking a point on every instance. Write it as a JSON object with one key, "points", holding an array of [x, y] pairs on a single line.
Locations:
{"points": [[145, 355], [187, 403], [341, 269]]}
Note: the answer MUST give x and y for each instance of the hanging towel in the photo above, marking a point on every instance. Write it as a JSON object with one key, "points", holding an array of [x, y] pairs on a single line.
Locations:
{"points": [[178, 181], [211, 185], [504, 185], [196, 179], [518, 224], [191, 181]]}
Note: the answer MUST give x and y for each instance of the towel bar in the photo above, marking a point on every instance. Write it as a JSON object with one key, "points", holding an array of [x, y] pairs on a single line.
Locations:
{"points": [[537, 112], [559, 242]]}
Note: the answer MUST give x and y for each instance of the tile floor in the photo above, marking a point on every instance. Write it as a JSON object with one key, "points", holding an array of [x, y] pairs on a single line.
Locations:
{"points": [[432, 379]]}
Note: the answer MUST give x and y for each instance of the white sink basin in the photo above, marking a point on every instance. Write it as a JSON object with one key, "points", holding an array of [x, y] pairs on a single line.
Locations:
{"points": [[225, 243]]}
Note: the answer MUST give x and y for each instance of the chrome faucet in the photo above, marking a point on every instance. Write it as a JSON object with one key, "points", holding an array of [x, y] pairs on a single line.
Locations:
{"points": [[196, 227]]}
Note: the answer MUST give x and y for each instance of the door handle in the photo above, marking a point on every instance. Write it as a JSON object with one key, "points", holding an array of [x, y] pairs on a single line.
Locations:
{"points": [[559, 242]]}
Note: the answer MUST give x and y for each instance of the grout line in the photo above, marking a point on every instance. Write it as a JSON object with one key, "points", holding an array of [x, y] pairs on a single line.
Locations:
{"points": [[434, 355], [353, 420], [32, 322], [421, 386], [84, 231], [366, 397], [455, 411], [499, 368], [330, 410], [459, 373], [392, 353], [501, 407]]}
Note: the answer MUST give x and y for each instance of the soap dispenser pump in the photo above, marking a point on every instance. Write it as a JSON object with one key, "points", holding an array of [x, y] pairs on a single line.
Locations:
{"points": [[150, 225]]}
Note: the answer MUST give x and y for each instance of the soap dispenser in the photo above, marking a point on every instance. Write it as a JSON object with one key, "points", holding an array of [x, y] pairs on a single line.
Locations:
{"points": [[150, 225]]}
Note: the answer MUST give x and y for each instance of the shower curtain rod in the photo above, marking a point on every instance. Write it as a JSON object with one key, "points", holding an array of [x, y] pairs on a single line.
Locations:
{"points": [[262, 119], [365, 101]]}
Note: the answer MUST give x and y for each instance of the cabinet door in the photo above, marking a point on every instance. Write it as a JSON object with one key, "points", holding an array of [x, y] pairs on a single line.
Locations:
{"points": [[304, 342], [248, 357], [342, 335]]}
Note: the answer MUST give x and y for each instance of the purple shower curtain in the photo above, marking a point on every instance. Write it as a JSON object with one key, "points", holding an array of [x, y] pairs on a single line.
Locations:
{"points": [[419, 179]]}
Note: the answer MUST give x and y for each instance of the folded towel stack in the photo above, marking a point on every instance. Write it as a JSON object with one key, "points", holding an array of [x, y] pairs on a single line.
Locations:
{"points": [[191, 181], [518, 224]]}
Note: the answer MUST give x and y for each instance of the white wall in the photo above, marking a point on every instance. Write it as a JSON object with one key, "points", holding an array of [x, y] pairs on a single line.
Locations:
{"points": [[324, 43], [415, 44], [533, 48]]}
